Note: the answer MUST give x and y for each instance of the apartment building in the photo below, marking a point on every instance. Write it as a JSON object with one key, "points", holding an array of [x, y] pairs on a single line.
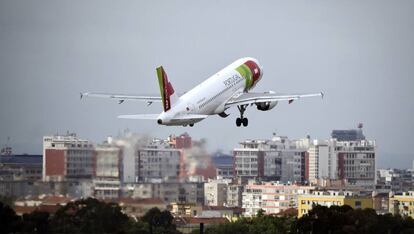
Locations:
{"points": [[158, 160], [332, 198], [402, 204], [272, 197], [67, 157]]}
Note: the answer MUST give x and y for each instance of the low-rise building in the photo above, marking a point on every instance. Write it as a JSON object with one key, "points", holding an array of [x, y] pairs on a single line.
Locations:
{"points": [[188, 192], [272, 197], [332, 198], [20, 167], [402, 204]]}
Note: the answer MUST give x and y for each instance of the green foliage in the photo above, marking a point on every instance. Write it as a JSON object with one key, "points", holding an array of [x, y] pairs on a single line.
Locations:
{"points": [[89, 216], [335, 219], [159, 221], [86, 216], [7, 200], [343, 219], [261, 224]]}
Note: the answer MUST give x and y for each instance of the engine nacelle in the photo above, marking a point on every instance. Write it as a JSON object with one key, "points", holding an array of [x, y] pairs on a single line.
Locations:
{"points": [[265, 106]]}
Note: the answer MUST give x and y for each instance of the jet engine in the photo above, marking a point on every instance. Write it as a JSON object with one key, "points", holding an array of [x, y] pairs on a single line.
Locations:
{"points": [[265, 106]]}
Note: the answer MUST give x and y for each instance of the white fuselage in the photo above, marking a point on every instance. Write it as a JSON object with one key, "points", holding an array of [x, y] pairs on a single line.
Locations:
{"points": [[209, 97]]}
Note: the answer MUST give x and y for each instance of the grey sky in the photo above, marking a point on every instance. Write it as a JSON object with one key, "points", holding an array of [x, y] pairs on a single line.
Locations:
{"points": [[360, 53]]}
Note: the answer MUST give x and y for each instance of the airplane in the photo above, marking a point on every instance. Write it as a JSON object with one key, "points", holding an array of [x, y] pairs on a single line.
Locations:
{"points": [[229, 87]]}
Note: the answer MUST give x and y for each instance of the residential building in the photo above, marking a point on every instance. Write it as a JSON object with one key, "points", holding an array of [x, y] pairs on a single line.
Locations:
{"points": [[356, 162], [158, 160], [224, 166], [186, 192], [278, 159], [234, 195], [138, 207], [272, 197], [215, 193], [20, 167], [322, 162], [402, 204], [67, 157], [332, 198], [395, 180], [255, 158], [106, 183]]}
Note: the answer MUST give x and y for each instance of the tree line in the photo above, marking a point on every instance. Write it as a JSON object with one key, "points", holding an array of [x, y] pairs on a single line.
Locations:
{"points": [[93, 216], [321, 219], [86, 216]]}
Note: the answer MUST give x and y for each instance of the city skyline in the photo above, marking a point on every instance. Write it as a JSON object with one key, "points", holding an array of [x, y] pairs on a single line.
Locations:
{"points": [[358, 54]]}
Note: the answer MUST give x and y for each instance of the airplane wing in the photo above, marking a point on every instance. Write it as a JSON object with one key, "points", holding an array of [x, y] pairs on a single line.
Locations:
{"points": [[122, 97], [251, 98]]}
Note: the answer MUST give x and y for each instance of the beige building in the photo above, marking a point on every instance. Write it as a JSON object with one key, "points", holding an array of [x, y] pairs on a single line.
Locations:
{"points": [[306, 202], [402, 204]]}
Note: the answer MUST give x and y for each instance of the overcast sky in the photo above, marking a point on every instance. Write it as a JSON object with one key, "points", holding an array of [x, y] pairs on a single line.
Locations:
{"points": [[359, 53]]}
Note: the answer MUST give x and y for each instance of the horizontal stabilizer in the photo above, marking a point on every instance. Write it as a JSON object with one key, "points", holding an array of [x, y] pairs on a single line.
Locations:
{"points": [[191, 117], [140, 116]]}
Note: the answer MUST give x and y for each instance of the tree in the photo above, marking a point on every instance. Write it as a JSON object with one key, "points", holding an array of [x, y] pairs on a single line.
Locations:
{"points": [[159, 221], [35, 222], [9, 221], [89, 216]]}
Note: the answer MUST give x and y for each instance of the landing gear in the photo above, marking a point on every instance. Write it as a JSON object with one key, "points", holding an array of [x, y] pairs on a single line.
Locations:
{"points": [[191, 125], [242, 120]]}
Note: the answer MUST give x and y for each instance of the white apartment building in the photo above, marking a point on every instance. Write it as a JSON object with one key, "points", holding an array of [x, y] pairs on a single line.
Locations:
{"points": [[321, 161], [215, 193], [272, 197], [351, 161], [278, 159]]}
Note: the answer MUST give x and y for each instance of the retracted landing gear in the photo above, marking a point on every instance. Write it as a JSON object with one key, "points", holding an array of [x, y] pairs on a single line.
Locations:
{"points": [[242, 120]]}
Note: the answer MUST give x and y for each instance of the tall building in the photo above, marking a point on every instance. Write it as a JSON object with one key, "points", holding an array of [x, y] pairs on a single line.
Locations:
{"points": [[322, 161], [158, 160], [106, 183], [255, 159], [67, 157], [215, 193], [272, 197], [356, 162], [234, 195], [278, 159], [350, 161], [332, 198], [224, 166]]}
